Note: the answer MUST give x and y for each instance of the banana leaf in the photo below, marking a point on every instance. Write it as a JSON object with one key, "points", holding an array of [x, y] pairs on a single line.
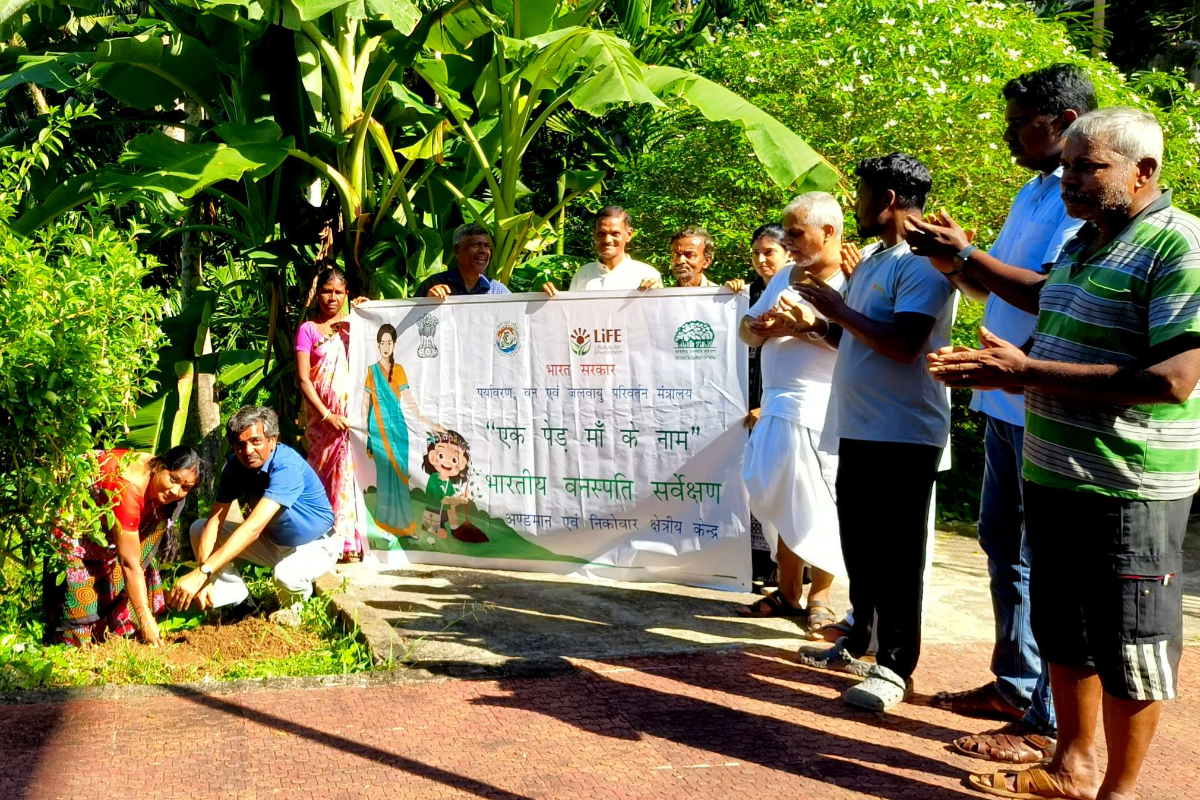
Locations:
{"points": [[788, 160], [159, 422]]}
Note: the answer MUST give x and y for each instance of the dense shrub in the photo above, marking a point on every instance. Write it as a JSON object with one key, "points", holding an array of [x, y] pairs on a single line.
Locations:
{"points": [[866, 77], [77, 334]]}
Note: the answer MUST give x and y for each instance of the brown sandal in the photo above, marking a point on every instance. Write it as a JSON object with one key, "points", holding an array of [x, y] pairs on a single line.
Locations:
{"points": [[1032, 784], [982, 701], [1013, 744], [773, 605]]}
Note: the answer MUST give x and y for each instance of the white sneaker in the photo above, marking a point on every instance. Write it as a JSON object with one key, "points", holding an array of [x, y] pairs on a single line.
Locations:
{"points": [[287, 617], [883, 690]]}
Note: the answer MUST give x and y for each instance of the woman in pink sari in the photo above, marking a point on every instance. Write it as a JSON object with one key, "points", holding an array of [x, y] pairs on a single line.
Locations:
{"points": [[323, 367]]}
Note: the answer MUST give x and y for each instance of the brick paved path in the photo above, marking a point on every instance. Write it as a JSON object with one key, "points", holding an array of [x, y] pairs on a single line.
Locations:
{"points": [[732, 725]]}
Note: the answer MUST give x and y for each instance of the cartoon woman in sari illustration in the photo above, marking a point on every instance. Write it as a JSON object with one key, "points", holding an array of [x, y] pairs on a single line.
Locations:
{"points": [[385, 396]]}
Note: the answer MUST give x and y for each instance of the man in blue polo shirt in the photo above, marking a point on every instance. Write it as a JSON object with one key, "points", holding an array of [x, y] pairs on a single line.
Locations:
{"points": [[473, 254], [289, 527]]}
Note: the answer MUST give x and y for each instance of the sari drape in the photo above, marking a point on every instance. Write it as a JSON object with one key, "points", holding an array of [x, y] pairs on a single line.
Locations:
{"points": [[387, 440], [328, 448], [95, 602]]}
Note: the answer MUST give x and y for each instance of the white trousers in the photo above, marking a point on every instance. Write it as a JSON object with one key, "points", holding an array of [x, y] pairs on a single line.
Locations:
{"points": [[293, 568]]}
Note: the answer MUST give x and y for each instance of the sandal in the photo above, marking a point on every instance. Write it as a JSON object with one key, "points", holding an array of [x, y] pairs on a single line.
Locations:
{"points": [[820, 616], [837, 658], [1017, 743], [982, 701], [1032, 784], [773, 605]]}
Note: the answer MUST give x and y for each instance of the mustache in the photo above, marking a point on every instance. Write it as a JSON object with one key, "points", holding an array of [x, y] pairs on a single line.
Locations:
{"points": [[1077, 196]]}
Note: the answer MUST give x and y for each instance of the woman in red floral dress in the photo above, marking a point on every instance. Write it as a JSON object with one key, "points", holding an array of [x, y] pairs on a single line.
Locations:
{"points": [[115, 589]]}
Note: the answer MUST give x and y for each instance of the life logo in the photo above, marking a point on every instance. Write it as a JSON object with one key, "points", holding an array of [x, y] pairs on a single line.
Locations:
{"points": [[606, 341], [694, 341], [581, 342], [508, 339]]}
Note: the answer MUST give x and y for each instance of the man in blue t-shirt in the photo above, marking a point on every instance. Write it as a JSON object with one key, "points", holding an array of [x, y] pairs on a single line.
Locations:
{"points": [[289, 527], [1040, 106], [890, 421]]}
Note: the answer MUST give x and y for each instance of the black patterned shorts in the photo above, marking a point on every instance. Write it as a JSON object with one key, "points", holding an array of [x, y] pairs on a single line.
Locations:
{"points": [[1104, 586]]}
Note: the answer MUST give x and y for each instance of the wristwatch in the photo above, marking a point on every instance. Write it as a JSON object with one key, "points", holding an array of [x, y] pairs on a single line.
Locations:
{"points": [[960, 259]]}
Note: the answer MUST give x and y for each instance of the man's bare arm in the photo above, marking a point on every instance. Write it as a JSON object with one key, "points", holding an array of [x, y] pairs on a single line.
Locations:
{"points": [[970, 288], [246, 533], [746, 336], [1168, 374], [1020, 287], [1170, 380], [208, 539]]}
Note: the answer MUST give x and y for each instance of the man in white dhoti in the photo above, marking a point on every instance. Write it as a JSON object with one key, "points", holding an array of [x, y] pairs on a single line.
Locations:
{"points": [[790, 481]]}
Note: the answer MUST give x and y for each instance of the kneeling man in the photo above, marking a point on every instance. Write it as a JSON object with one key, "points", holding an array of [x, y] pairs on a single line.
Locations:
{"points": [[289, 527]]}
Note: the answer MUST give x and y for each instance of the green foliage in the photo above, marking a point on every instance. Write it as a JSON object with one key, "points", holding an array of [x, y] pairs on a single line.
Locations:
{"points": [[25, 663], [76, 325], [865, 77], [1144, 33]]}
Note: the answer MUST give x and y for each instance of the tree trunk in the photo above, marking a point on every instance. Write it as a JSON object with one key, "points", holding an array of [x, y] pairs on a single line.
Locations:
{"points": [[191, 273]]}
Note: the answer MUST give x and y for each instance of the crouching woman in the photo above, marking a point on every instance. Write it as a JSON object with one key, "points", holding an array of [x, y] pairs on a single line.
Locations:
{"points": [[115, 589]]}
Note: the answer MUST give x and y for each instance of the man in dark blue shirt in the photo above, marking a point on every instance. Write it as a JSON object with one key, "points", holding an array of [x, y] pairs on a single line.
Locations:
{"points": [[289, 527], [473, 252]]}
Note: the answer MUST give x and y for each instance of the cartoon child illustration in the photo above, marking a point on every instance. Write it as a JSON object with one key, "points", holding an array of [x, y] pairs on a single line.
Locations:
{"points": [[446, 462]]}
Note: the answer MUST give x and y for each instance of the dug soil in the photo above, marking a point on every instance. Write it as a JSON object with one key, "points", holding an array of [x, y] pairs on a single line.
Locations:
{"points": [[212, 649]]}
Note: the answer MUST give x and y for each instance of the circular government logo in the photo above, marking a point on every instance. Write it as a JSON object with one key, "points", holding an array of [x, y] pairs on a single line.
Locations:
{"points": [[508, 339]]}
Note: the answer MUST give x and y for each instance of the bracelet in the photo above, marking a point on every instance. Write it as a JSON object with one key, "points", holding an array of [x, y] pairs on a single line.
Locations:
{"points": [[327, 412], [816, 337]]}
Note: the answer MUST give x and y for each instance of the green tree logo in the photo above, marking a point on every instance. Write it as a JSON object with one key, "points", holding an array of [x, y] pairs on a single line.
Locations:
{"points": [[694, 335]]}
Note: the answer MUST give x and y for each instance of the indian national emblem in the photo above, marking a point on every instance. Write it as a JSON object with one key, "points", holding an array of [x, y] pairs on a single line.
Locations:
{"points": [[427, 328]]}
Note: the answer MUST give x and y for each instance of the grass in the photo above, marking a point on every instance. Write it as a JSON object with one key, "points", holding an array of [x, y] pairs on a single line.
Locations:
{"points": [[503, 541], [320, 646]]}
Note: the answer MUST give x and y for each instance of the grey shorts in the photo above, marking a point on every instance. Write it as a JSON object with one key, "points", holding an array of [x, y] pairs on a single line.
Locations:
{"points": [[1104, 587]]}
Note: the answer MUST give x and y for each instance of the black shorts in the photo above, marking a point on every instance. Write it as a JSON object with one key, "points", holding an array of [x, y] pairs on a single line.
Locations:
{"points": [[1105, 589]]}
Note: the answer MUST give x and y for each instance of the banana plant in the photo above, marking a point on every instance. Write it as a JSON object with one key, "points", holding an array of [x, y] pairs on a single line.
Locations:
{"points": [[410, 119], [542, 57]]}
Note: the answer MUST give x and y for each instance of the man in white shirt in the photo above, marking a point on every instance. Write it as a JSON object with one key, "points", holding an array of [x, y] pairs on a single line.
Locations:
{"points": [[789, 479], [613, 269], [1041, 105]]}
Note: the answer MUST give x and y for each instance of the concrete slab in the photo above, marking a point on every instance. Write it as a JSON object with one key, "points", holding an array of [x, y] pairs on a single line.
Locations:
{"points": [[455, 621]]}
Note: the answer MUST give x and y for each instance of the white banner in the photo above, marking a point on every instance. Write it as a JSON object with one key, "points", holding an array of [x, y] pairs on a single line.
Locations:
{"points": [[597, 433]]}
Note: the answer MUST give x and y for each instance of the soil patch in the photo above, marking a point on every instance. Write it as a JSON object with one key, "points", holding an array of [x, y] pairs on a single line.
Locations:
{"points": [[251, 637], [212, 649]]}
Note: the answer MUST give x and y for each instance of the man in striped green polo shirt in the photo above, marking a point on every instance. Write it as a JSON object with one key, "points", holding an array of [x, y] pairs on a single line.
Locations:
{"points": [[1112, 447]]}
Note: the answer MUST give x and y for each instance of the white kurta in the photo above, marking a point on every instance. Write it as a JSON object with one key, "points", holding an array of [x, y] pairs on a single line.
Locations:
{"points": [[789, 480]]}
